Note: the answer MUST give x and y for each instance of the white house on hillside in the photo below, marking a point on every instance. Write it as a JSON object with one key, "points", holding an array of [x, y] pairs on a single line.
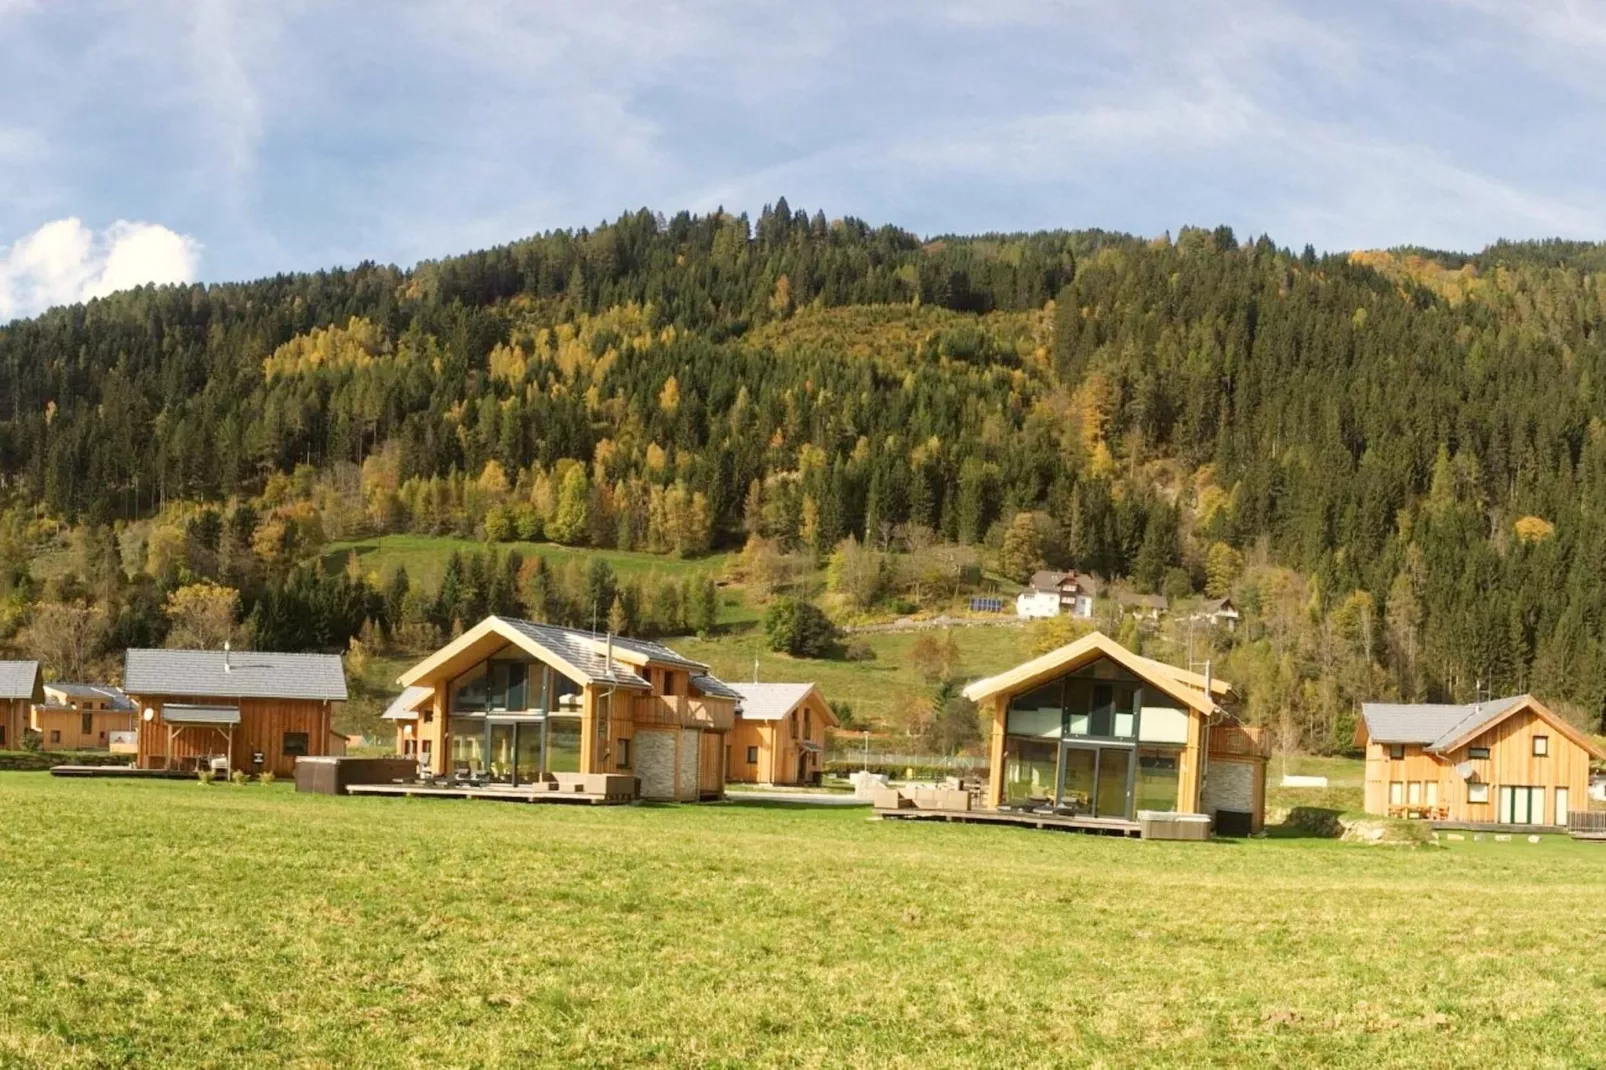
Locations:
{"points": [[1054, 593]]}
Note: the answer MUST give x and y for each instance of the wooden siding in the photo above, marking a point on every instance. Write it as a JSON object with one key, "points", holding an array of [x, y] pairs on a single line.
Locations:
{"points": [[70, 724], [711, 764], [1511, 763], [778, 751], [14, 717], [263, 724]]}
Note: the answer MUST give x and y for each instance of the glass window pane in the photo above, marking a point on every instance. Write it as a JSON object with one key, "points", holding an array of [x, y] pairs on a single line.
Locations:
{"points": [[1125, 725], [1432, 793], [469, 692], [1414, 793], [1079, 786], [468, 745], [1028, 770], [517, 671], [1562, 806], [1103, 710], [1114, 764], [1157, 780], [1163, 724], [1078, 725], [1396, 793], [563, 745], [528, 756]]}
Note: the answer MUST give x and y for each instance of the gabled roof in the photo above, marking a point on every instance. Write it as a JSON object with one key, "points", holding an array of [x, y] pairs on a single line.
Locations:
{"points": [[770, 702], [1184, 686], [1441, 728], [20, 679], [93, 693], [1048, 579], [582, 656], [237, 674]]}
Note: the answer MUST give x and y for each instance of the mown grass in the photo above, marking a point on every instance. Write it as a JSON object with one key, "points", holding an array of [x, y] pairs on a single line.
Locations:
{"points": [[424, 557], [170, 924], [873, 688]]}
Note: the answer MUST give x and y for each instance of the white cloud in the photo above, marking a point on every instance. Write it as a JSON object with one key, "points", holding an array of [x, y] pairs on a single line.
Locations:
{"points": [[64, 261]]}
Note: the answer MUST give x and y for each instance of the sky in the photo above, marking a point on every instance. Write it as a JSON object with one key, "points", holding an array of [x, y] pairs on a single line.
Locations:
{"points": [[214, 140]]}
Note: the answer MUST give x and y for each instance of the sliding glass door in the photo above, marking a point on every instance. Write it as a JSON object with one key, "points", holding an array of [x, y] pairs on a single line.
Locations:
{"points": [[1096, 781]]}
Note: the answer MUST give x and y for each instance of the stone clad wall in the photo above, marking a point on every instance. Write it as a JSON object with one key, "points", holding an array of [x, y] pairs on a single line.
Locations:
{"points": [[654, 759], [690, 751]]}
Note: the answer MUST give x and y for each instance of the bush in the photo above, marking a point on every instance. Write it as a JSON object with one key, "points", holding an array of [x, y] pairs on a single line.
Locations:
{"points": [[793, 626], [239, 776], [858, 650], [267, 777], [204, 776]]}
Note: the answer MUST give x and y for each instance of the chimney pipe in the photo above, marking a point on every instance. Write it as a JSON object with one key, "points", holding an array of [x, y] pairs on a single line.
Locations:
{"points": [[226, 666]]}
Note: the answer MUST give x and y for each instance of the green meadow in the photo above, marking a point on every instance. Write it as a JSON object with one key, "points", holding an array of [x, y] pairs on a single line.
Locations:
{"points": [[174, 924]]}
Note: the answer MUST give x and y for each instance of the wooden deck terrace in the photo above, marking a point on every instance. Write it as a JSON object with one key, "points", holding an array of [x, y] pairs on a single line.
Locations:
{"points": [[498, 793], [120, 772], [1020, 819]]}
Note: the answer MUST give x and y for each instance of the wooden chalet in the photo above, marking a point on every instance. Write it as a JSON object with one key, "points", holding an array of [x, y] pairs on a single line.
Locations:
{"points": [[779, 734], [511, 702], [257, 710], [1094, 734], [21, 685], [1504, 761], [77, 716]]}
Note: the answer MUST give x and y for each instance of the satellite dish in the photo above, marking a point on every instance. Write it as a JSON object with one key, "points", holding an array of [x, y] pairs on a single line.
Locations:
{"points": [[150, 714], [1465, 770]]}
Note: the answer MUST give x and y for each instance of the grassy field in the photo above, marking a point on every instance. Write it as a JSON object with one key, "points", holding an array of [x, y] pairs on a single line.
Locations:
{"points": [[424, 556], [173, 924]]}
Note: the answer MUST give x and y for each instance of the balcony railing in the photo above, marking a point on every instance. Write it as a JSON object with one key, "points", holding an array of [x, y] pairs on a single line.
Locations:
{"points": [[678, 711]]}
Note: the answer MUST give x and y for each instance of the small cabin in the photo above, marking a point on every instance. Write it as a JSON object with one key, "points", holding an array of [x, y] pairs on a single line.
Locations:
{"points": [[780, 734], [77, 716], [1095, 733], [253, 710], [1505, 761], [21, 685], [511, 702]]}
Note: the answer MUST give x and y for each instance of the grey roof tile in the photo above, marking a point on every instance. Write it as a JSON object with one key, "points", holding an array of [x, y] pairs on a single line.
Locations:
{"points": [[18, 679], [249, 674], [1431, 724], [714, 687], [769, 702], [580, 650]]}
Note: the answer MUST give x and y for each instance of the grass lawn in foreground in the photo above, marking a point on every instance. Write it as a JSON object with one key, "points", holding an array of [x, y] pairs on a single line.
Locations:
{"points": [[173, 924]]}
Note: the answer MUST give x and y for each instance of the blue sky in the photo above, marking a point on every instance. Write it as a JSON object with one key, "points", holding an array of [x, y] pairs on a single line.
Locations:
{"points": [[221, 139]]}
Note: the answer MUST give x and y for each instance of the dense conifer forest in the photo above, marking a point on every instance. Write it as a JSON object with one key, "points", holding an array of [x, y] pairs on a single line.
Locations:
{"points": [[1395, 462]]}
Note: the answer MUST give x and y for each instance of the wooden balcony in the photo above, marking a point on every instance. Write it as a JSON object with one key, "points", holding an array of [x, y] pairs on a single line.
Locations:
{"points": [[677, 711]]}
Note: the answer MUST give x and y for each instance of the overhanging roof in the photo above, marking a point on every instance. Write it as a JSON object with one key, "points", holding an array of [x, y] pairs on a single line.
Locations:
{"points": [[1441, 728], [770, 702], [234, 674], [404, 707], [179, 713], [1184, 686]]}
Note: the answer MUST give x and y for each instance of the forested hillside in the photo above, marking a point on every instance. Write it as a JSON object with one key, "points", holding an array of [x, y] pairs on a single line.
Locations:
{"points": [[1395, 461]]}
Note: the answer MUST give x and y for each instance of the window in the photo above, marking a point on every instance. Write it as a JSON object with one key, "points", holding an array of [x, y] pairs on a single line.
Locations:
{"points": [[55, 735], [1396, 751], [87, 728], [752, 755], [1522, 806], [623, 753], [1414, 793], [808, 724], [1561, 806], [1478, 752], [1156, 786], [1541, 746], [1396, 793], [1477, 792], [791, 723], [295, 743], [1430, 793]]}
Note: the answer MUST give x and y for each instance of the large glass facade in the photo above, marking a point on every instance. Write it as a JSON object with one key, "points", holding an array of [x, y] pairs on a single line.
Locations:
{"points": [[467, 745], [1073, 743]]}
